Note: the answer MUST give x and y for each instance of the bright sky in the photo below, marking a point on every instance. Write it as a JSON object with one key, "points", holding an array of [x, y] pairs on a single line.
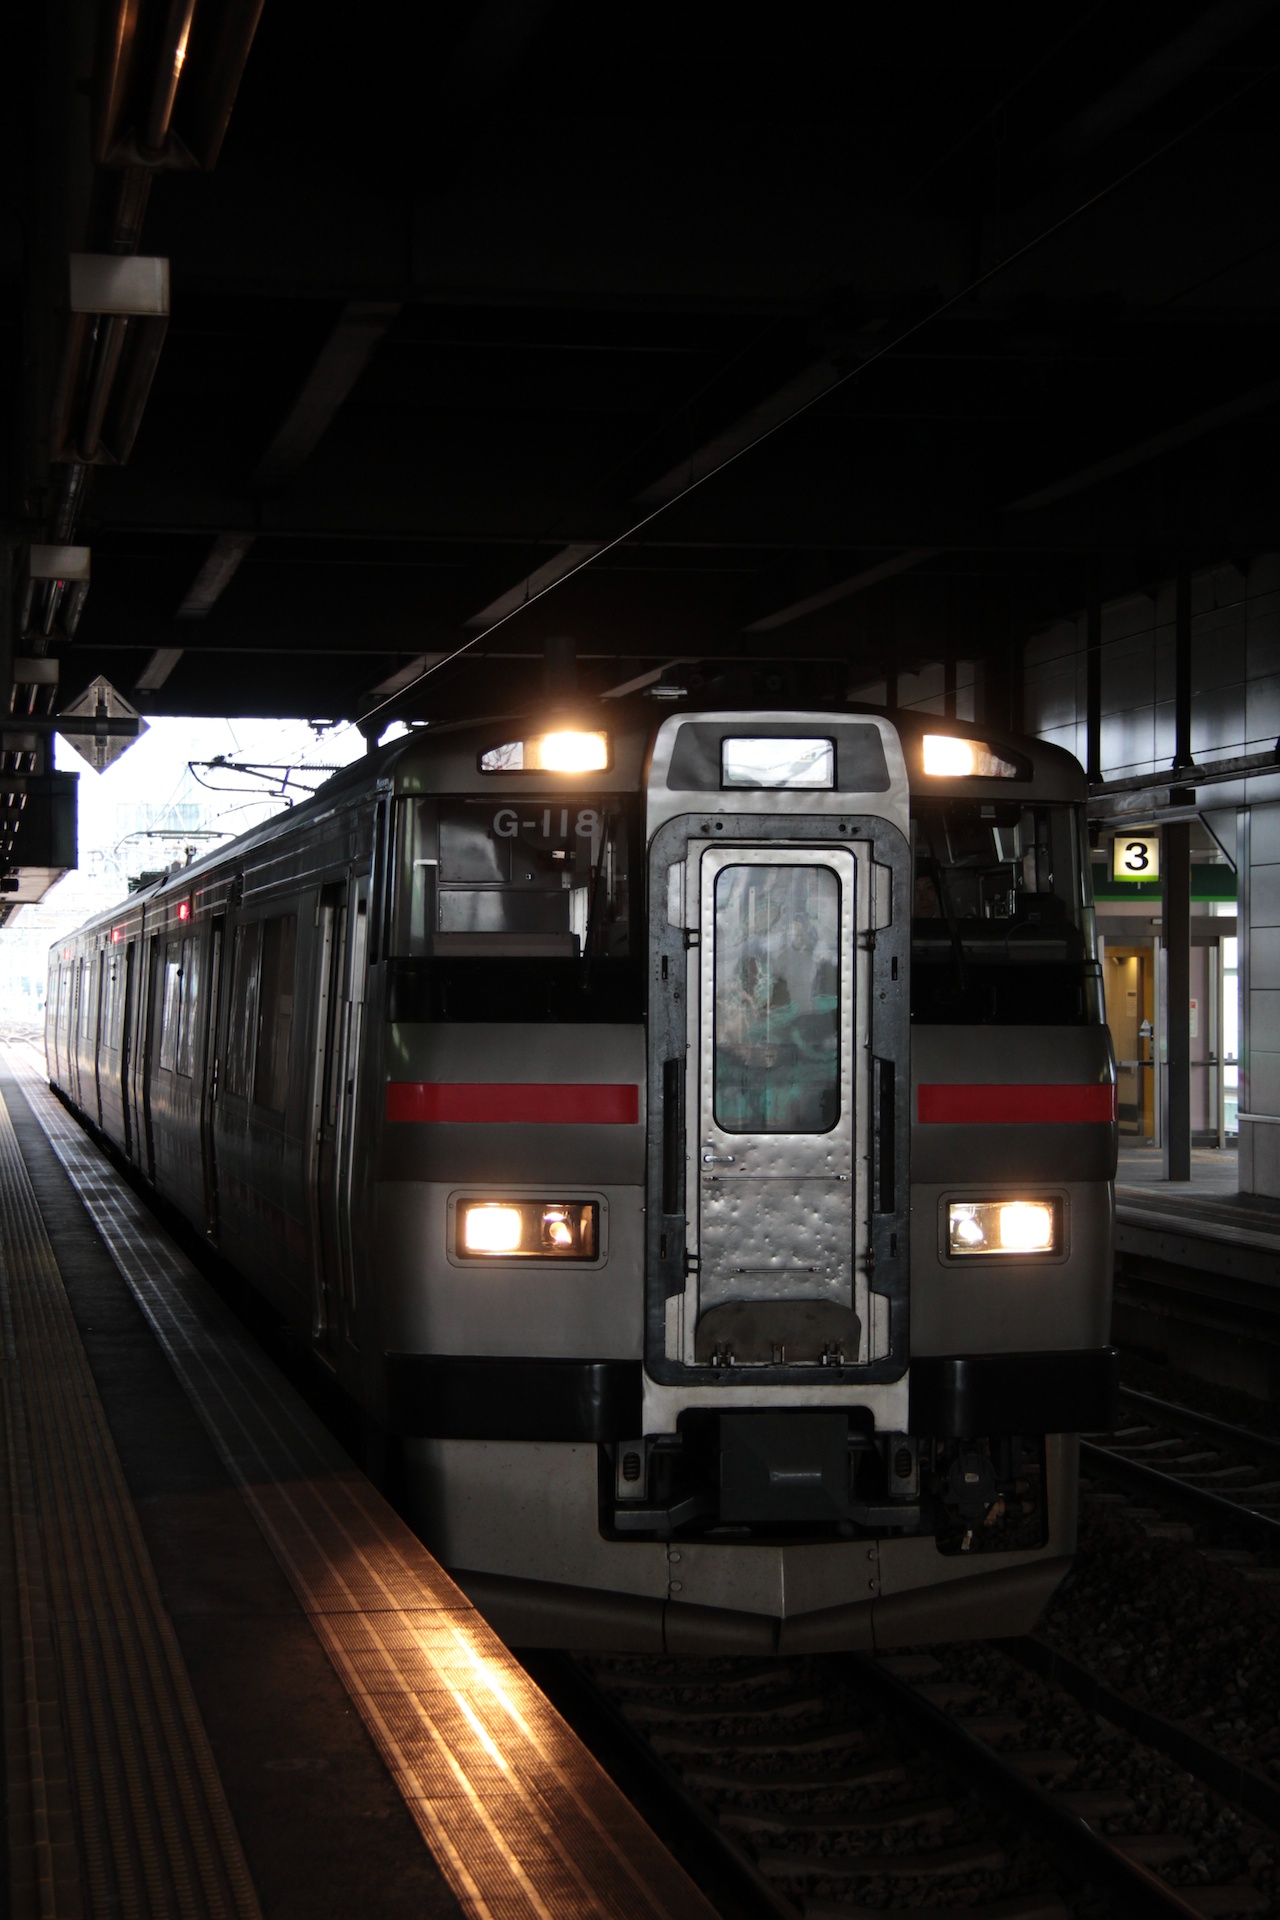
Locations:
{"points": [[154, 774], [154, 770]]}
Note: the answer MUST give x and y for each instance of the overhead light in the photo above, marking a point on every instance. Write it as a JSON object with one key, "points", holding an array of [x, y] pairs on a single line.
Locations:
{"points": [[567, 750], [948, 757]]}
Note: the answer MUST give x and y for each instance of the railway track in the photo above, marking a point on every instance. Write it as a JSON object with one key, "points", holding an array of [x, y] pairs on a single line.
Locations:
{"points": [[954, 1781], [1214, 1473]]}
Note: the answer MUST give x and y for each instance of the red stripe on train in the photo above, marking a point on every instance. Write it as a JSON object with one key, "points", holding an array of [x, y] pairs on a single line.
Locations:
{"points": [[528, 1103], [992, 1105]]}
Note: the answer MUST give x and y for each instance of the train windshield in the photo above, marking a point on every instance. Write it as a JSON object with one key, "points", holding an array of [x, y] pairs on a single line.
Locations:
{"points": [[519, 910], [1000, 931], [777, 999]]}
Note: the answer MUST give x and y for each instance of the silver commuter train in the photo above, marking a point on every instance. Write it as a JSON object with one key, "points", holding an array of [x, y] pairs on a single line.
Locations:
{"points": [[691, 1137]]}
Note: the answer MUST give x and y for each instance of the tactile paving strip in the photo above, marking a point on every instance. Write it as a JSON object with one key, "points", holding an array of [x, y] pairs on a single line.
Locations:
{"points": [[115, 1803], [517, 1813]]}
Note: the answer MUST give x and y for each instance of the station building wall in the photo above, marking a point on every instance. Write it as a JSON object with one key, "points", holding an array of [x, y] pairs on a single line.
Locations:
{"points": [[1235, 710]]}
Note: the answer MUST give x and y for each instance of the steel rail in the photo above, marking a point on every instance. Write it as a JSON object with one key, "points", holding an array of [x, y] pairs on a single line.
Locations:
{"points": [[1188, 1421], [1178, 1493], [1230, 1778], [1066, 1839]]}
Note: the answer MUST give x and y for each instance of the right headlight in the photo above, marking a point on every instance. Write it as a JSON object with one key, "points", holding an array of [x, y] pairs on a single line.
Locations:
{"points": [[1003, 1226], [528, 1229]]}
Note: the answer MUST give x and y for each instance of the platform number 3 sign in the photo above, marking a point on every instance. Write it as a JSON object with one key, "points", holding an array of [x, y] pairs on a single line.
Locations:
{"points": [[1135, 857]]}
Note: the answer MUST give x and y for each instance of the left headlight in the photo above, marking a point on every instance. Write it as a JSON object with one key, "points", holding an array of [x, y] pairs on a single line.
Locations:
{"points": [[528, 1229], [1003, 1226]]}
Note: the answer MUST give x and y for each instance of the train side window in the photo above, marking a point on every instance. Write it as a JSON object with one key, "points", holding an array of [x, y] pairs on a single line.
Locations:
{"points": [[110, 1038], [275, 1012], [171, 1005], [242, 1022], [118, 997], [186, 1051]]}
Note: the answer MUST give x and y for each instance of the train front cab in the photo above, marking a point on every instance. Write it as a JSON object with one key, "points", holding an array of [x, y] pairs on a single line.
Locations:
{"points": [[872, 1256]]}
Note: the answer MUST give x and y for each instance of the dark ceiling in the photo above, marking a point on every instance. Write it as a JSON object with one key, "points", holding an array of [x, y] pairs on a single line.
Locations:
{"points": [[830, 335]]}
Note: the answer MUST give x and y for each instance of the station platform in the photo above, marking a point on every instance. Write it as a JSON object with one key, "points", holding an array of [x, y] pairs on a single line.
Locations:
{"points": [[234, 1683], [1207, 1209], [1197, 1276]]}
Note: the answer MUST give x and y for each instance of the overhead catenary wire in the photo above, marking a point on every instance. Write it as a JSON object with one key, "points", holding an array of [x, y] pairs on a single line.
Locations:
{"points": [[393, 702]]}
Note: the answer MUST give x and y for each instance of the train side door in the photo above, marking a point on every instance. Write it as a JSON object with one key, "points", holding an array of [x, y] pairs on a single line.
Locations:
{"points": [[73, 1030], [353, 1015], [152, 998], [52, 989], [209, 1077], [331, 1035], [95, 1032], [344, 921], [128, 1014]]}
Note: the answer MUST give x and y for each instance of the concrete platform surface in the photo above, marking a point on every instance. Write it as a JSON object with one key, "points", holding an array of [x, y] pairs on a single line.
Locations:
{"points": [[234, 1683]]}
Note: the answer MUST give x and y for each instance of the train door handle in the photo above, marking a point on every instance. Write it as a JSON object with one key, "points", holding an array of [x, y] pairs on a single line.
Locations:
{"points": [[717, 1159]]}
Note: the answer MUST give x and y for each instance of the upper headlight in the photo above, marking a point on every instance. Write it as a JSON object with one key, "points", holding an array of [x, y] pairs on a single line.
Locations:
{"points": [[948, 757], [567, 750], [1004, 1226]]}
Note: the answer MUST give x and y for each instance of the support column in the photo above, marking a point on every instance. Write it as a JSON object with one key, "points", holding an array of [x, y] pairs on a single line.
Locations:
{"points": [[1182, 666], [1093, 677], [1175, 870], [1258, 865]]}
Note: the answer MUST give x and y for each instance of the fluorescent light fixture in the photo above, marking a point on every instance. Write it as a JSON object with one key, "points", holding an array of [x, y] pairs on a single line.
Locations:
{"points": [[567, 750], [1003, 1227], [528, 1229], [754, 761], [948, 757]]}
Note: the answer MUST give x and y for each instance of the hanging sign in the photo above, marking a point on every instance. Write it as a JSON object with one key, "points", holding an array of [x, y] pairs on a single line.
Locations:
{"points": [[1135, 857], [100, 701]]}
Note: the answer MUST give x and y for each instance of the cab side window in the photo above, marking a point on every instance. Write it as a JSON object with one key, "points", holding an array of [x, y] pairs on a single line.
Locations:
{"points": [[170, 1004]]}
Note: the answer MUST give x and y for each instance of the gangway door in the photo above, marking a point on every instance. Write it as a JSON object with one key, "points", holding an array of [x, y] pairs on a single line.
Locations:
{"points": [[778, 1035], [780, 1230]]}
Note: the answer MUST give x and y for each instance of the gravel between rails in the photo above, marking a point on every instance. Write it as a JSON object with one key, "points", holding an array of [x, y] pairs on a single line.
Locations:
{"points": [[1220, 1860], [832, 1803], [847, 1809], [1175, 1621]]}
